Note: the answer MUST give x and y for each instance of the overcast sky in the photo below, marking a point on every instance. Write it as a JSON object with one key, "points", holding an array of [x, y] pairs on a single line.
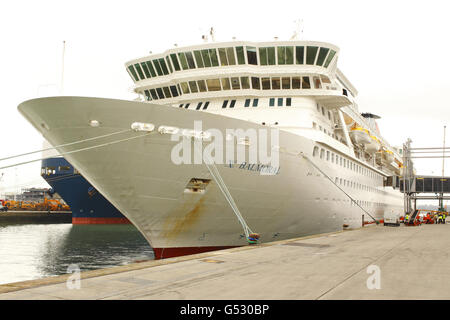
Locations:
{"points": [[394, 53]]}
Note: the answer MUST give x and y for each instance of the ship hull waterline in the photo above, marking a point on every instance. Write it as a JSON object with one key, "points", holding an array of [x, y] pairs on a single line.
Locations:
{"points": [[139, 178]]}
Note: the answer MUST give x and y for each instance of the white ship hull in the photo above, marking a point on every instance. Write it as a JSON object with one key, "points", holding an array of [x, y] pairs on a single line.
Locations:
{"points": [[139, 178]]}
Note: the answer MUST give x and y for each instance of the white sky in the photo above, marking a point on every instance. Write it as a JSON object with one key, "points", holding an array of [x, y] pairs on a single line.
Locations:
{"points": [[394, 53]]}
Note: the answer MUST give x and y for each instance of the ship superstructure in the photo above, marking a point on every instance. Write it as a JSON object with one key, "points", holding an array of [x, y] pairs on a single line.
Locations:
{"points": [[334, 166]]}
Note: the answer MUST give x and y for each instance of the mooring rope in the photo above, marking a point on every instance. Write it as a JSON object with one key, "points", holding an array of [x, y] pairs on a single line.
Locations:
{"points": [[65, 144], [74, 151], [353, 200]]}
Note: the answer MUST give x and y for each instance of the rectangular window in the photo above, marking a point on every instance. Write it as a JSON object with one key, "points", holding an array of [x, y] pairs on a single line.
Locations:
{"points": [[322, 55], [329, 58], [240, 55], [185, 88], [255, 102], [146, 71], [187, 106], [230, 56], [193, 86], [167, 92], [289, 55], [311, 53], [199, 105], [133, 73], [198, 59], [299, 55], [224, 104], [317, 83], [190, 60], [247, 103], [225, 83], [206, 58], [169, 65], [271, 102], [265, 83], [160, 93], [147, 94], [251, 56], [255, 83], [280, 102], [202, 85], [325, 79], [163, 65], [281, 51], [263, 56], [271, 56], [235, 83], [150, 67], [174, 91], [295, 82], [213, 84], [245, 83], [275, 83], [175, 63], [213, 55], [183, 61], [181, 105], [139, 70], [206, 105], [153, 93], [305, 83], [233, 102], [157, 67], [223, 57], [286, 83]]}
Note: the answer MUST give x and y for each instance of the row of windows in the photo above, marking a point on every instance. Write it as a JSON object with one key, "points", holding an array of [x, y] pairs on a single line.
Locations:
{"points": [[281, 55], [247, 103], [198, 107], [356, 185], [238, 83], [346, 163]]}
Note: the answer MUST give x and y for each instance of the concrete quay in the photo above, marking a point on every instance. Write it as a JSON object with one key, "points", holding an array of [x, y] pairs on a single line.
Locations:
{"points": [[374, 262]]}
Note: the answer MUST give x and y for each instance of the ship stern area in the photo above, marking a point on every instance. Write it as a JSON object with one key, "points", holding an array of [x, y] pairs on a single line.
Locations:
{"points": [[182, 208]]}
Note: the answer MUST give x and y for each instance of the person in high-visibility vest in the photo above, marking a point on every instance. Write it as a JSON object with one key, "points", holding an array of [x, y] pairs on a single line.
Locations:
{"points": [[439, 218], [443, 218], [407, 218]]}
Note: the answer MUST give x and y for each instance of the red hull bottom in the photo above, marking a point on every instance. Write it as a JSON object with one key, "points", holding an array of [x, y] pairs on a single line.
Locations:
{"points": [[164, 253], [100, 221]]}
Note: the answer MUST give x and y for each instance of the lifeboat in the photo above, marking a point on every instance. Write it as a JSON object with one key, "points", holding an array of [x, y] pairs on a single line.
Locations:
{"points": [[360, 135], [387, 156], [374, 145]]}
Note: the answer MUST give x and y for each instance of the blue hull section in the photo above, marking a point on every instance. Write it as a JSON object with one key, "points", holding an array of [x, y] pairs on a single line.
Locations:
{"points": [[87, 204]]}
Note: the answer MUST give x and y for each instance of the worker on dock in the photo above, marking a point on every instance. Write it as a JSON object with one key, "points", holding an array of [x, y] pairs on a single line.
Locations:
{"points": [[439, 218], [443, 218], [407, 218]]}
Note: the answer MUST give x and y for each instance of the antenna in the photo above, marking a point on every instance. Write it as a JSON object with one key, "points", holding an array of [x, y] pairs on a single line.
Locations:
{"points": [[212, 33], [62, 68]]}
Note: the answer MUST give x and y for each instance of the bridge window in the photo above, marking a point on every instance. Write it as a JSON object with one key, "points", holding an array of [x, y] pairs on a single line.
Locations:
{"points": [[183, 61], [285, 55], [322, 55], [139, 70], [146, 71], [227, 56], [255, 83], [240, 55], [214, 59], [133, 73], [311, 53], [201, 85], [271, 102], [153, 93], [235, 83], [233, 102], [305, 83], [193, 86], [198, 59], [295, 82], [251, 56], [288, 102], [175, 63], [255, 102], [247, 103], [224, 104], [299, 55], [329, 58], [265, 83], [206, 58], [245, 83], [163, 65], [185, 87], [169, 65], [150, 67], [213, 84], [267, 56], [199, 105], [280, 102], [225, 83], [160, 93], [157, 67], [167, 92], [317, 83], [206, 105], [275, 83], [286, 83], [174, 91]]}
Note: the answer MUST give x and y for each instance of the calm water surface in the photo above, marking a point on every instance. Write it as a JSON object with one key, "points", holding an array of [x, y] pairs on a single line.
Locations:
{"points": [[36, 251]]}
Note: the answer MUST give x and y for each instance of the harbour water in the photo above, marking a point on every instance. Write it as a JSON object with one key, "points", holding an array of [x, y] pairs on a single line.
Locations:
{"points": [[34, 251]]}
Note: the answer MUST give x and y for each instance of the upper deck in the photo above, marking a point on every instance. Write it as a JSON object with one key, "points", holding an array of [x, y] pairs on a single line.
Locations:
{"points": [[245, 68]]}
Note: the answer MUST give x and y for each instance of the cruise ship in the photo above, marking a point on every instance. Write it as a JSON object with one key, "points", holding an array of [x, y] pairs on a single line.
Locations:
{"points": [[88, 206], [334, 170]]}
